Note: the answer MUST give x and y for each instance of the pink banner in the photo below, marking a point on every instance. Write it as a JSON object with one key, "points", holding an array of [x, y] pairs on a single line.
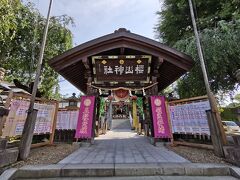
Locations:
{"points": [[85, 118], [160, 119]]}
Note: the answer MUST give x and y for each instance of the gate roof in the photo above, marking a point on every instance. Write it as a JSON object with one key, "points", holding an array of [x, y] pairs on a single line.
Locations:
{"points": [[167, 63]]}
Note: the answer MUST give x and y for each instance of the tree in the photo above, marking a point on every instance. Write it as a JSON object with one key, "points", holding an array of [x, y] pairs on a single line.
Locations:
{"points": [[8, 25], [174, 22], [219, 26], [20, 56], [222, 59], [237, 98]]}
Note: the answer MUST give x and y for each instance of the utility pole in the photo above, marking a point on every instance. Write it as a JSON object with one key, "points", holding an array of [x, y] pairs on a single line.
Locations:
{"points": [[27, 135], [215, 114]]}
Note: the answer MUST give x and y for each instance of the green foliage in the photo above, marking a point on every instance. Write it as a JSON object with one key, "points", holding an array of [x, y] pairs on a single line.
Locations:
{"points": [[102, 107], [20, 41], [140, 105], [230, 114], [219, 25], [174, 22], [237, 98], [8, 24], [222, 59]]}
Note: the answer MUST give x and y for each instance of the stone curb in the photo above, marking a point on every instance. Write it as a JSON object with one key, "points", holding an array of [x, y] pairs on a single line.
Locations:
{"points": [[107, 170], [235, 172], [8, 174], [87, 170]]}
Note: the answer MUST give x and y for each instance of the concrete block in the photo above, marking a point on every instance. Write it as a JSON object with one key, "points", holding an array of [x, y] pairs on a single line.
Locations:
{"points": [[235, 172], [172, 169], [8, 157], [3, 144], [216, 171], [194, 171], [87, 170], [213, 169], [8, 174], [40, 171], [232, 154], [85, 144], [137, 170], [162, 144]]}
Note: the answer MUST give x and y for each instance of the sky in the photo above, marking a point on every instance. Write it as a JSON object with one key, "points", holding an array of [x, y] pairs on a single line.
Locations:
{"points": [[95, 18]]}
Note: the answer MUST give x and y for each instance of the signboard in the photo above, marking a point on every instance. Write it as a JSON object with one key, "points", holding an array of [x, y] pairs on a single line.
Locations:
{"points": [[159, 116], [67, 119], [121, 68], [85, 118], [18, 114], [190, 118]]}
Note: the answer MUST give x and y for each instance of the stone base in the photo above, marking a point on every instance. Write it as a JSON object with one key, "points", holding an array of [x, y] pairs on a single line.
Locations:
{"points": [[85, 144], [3, 144], [58, 171], [232, 154], [8, 157]]}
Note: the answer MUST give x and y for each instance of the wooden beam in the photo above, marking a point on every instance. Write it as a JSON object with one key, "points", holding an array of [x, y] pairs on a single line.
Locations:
{"points": [[189, 99], [157, 65], [39, 144], [122, 43], [86, 62], [122, 51]]}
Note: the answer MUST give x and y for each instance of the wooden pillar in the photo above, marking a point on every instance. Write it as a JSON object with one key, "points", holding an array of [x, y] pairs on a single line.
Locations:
{"points": [[89, 88], [6, 106], [154, 88], [97, 123], [215, 134], [134, 112], [27, 135], [54, 124], [217, 120]]}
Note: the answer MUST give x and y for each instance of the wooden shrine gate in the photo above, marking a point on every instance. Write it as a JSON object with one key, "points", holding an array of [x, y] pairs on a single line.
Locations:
{"points": [[120, 61]]}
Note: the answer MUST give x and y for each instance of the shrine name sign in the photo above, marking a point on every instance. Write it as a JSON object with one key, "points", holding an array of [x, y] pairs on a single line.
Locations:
{"points": [[121, 68]]}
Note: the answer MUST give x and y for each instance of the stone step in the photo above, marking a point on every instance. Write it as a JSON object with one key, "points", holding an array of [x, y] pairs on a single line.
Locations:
{"points": [[121, 124], [119, 170], [146, 178]]}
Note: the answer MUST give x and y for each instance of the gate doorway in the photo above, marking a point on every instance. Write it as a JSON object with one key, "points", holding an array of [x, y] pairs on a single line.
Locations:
{"points": [[121, 67], [121, 111]]}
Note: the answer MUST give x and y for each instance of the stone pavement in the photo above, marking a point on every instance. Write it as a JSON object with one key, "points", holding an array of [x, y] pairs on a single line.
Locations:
{"points": [[122, 154], [122, 146]]}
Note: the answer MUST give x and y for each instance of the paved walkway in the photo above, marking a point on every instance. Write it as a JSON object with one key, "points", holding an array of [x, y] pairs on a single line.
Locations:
{"points": [[122, 146]]}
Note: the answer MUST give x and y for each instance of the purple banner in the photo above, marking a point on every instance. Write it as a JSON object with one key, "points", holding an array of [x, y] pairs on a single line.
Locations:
{"points": [[160, 119], [85, 118]]}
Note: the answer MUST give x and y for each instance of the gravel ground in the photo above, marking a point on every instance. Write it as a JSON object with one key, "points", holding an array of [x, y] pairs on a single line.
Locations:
{"points": [[47, 154], [197, 155]]}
